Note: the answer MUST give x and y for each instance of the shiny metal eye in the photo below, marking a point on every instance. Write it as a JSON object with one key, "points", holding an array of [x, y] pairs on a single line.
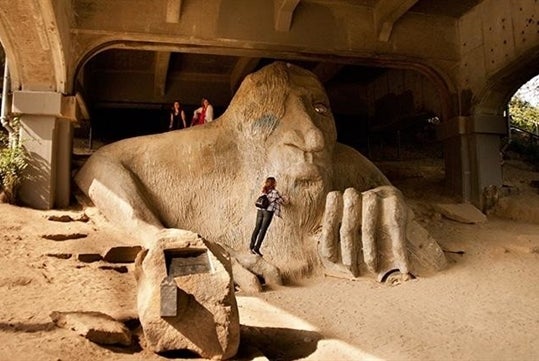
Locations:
{"points": [[321, 108]]}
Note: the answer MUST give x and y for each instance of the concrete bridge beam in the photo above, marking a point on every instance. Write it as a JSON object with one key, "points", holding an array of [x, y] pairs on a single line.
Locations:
{"points": [[476, 59]]}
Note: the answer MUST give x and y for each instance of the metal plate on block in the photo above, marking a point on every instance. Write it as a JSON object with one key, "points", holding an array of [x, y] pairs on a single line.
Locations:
{"points": [[185, 261], [169, 297]]}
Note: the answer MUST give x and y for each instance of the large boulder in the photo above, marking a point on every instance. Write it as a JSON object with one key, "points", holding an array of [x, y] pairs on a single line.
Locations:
{"points": [[185, 296]]}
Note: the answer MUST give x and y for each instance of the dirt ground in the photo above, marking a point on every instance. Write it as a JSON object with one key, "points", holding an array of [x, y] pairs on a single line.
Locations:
{"points": [[484, 306]]}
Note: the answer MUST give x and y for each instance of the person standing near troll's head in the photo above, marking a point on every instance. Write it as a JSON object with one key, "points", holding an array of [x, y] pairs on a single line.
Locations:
{"points": [[203, 114], [264, 216], [177, 117]]}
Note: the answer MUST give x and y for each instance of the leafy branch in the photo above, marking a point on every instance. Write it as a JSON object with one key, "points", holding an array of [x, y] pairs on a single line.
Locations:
{"points": [[13, 161]]}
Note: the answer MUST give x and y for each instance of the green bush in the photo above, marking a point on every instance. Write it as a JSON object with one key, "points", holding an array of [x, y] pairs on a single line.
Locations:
{"points": [[13, 162], [524, 115]]}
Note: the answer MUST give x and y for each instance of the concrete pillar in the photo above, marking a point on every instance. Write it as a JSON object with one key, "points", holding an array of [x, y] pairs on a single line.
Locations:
{"points": [[64, 151], [47, 136], [457, 173], [472, 154]]}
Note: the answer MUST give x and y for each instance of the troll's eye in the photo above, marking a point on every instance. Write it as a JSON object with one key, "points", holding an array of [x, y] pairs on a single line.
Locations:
{"points": [[321, 108]]}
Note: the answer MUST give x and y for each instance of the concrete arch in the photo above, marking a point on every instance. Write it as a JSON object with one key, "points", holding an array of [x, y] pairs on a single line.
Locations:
{"points": [[11, 53], [31, 39], [442, 82], [500, 87]]}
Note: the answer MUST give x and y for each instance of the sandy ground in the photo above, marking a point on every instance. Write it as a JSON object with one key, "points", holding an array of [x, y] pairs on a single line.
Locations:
{"points": [[484, 306]]}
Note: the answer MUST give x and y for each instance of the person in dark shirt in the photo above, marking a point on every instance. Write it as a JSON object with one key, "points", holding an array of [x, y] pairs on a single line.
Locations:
{"points": [[177, 117]]}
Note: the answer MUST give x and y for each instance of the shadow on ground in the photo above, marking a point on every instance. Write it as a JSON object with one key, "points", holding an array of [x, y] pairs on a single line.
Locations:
{"points": [[279, 344]]}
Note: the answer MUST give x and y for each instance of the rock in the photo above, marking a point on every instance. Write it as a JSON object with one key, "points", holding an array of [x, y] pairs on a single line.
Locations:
{"points": [[461, 212], [121, 254], [255, 265], [247, 281], [4, 197], [95, 326], [64, 237], [119, 269], [89, 257], [63, 218], [59, 255], [67, 218], [205, 319]]}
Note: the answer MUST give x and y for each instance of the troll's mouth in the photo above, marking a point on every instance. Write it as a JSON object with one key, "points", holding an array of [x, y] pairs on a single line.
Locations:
{"points": [[305, 171]]}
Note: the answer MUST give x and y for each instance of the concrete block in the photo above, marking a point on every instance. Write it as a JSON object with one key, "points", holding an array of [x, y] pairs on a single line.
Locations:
{"points": [[37, 103]]}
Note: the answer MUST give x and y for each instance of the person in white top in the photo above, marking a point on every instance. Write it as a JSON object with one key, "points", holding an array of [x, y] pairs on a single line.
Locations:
{"points": [[204, 114]]}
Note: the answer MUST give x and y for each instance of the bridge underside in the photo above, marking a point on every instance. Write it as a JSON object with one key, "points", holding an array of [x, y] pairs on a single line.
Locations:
{"points": [[389, 67]]}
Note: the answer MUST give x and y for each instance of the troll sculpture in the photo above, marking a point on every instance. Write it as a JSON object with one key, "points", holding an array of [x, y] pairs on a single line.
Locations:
{"points": [[343, 214], [188, 197]]}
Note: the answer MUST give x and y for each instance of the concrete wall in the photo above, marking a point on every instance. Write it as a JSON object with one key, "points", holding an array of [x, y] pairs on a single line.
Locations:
{"points": [[495, 35]]}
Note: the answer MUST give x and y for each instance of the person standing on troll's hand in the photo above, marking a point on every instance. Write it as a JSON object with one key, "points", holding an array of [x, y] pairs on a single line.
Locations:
{"points": [[264, 216], [177, 117]]}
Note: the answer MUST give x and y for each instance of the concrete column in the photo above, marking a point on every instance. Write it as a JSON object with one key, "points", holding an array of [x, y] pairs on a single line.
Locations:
{"points": [[47, 136], [472, 154], [457, 172], [38, 136], [486, 161], [64, 151]]}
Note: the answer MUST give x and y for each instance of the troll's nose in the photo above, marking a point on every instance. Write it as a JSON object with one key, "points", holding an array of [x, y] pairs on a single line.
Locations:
{"points": [[308, 139], [313, 140]]}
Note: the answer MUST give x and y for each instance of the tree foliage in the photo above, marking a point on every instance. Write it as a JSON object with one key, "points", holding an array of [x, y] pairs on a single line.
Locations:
{"points": [[530, 91], [13, 161], [524, 115]]}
